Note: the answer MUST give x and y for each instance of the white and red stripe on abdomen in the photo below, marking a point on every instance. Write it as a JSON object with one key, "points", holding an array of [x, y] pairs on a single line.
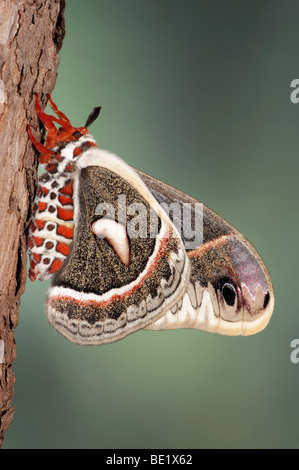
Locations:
{"points": [[52, 228]]}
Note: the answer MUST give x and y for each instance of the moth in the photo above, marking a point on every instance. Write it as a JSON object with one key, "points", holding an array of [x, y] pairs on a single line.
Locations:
{"points": [[113, 240]]}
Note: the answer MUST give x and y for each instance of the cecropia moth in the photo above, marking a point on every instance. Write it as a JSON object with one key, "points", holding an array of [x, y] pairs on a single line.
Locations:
{"points": [[127, 252]]}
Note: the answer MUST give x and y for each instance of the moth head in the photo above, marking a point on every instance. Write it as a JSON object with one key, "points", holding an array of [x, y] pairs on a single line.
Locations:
{"points": [[68, 133], [58, 138]]}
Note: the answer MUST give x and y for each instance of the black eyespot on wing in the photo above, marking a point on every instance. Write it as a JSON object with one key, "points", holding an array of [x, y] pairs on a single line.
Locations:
{"points": [[229, 293], [266, 300]]}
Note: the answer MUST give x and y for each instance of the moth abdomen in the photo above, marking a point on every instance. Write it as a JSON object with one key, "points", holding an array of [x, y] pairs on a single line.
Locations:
{"points": [[52, 227]]}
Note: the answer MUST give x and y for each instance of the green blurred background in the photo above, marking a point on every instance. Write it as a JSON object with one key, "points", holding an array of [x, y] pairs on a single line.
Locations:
{"points": [[197, 94]]}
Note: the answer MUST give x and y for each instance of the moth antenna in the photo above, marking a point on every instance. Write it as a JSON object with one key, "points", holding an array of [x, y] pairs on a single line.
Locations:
{"points": [[93, 116]]}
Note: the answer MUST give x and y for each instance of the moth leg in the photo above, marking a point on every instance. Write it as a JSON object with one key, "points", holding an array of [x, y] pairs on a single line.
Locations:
{"points": [[48, 121], [44, 151], [56, 110]]}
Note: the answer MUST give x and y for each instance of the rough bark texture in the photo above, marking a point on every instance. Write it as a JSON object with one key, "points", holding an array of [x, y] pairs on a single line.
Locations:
{"points": [[31, 34]]}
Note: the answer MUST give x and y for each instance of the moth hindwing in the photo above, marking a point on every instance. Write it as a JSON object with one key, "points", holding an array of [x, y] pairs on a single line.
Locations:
{"points": [[96, 297]]}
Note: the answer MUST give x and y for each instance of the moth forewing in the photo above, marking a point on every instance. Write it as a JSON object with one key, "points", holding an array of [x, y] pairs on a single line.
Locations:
{"points": [[234, 293]]}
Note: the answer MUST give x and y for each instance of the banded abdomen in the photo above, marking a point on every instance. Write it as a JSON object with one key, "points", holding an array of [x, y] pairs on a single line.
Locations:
{"points": [[52, 227]]}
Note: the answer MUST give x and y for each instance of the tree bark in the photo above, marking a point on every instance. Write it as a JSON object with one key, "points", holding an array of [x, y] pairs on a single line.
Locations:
{"points": [[31, 34]]}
